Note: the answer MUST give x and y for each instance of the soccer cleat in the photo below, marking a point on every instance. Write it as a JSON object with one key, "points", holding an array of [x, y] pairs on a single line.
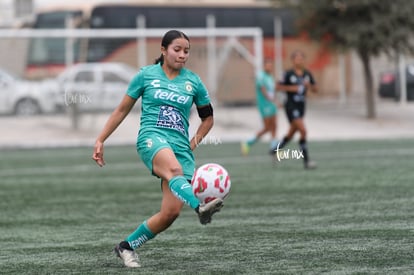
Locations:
{"points": [[245, 148], [206, 211], [129, 257], [310, 165]]}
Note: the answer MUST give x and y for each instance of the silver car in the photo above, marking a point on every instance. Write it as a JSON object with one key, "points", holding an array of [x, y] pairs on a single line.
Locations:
{"points": [[22, 97], [94, 87]]}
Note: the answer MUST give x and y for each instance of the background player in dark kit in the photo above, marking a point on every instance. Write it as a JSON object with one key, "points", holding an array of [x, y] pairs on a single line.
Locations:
{"points": [[296, 82]]}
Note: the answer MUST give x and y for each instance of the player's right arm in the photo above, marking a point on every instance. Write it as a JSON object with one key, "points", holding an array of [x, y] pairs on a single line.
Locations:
{"points": [[117, 116], [134, 91]]}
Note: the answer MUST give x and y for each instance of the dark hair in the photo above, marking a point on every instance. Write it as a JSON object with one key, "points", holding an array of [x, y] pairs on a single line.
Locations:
{"points": [[267, 60], [168, 38], [297, 52]]}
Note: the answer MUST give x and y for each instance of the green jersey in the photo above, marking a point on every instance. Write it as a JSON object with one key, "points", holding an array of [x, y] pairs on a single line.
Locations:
{"points": [[267, 81], [266, 108], [166, 104]]}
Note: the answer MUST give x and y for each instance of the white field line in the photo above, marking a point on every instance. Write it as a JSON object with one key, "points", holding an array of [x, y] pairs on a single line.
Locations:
{"points": [[56, 170]]}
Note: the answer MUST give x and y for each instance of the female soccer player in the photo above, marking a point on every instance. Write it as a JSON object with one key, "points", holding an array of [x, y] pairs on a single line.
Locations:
{"points": [[296, 82], [265, 96], [168, 91]]}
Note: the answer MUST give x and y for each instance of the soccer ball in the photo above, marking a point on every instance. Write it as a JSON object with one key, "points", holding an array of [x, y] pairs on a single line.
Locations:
{"points": [[211, 181]]}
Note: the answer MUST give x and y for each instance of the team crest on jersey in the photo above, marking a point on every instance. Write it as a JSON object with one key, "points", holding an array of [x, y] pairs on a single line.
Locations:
{"points": [[293, 79], [170, 117], [188, 87]]}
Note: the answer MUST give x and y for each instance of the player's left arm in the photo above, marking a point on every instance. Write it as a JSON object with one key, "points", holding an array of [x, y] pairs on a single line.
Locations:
{"points": [[207, 121]]}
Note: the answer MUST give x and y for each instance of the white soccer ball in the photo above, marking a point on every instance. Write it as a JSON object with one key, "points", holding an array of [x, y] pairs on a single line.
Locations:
{"points": [[211, 181]]}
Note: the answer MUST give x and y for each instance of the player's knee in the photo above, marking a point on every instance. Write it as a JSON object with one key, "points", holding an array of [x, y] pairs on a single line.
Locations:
{"points": [[175, 171], [303, 133], [268, 125]]}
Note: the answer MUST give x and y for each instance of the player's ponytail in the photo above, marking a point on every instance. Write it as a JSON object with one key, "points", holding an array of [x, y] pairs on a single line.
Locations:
{"points": [[159, 60]]}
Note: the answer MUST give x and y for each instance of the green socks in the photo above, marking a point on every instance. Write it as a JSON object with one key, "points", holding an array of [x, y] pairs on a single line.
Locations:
{"points": [[251, 141], [183, 191], [140, 236]]}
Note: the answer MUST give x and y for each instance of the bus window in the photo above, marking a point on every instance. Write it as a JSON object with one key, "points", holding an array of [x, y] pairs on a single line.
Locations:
{"points": [[50, 52]]}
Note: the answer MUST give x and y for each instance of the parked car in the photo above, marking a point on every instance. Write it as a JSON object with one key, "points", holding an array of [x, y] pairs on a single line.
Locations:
{"points": [[22, 97], [94, 86], [390, 84]]}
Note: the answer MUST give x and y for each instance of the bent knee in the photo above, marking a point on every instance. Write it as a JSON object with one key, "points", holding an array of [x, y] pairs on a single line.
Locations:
{"points": [[170, 172], [303, 134], [176, 171]]}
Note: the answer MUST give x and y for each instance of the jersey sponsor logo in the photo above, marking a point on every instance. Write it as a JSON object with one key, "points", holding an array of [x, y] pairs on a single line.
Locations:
{"points": [[171, 96], [169, 117], [156, 83], [172, 87]]}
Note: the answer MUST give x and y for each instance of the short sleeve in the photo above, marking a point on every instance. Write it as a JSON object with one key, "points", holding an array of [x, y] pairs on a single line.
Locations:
{"points": [[201, 96], [286, 78], [259, 80], [136, 86]]}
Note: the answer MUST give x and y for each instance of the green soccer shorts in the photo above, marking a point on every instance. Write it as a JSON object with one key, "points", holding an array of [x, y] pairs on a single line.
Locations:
{"points": [[149, 145], [267, 109]]}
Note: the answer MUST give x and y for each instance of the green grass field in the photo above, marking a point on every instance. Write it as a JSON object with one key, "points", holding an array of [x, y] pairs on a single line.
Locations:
{"points": [[61, 214]]}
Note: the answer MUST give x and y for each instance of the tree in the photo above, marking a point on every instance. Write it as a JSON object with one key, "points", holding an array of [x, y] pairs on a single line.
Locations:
{"points": [[370, 27]]}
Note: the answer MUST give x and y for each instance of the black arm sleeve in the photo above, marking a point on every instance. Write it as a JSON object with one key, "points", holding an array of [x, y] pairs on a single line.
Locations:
{"points": [[205, 111]]}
